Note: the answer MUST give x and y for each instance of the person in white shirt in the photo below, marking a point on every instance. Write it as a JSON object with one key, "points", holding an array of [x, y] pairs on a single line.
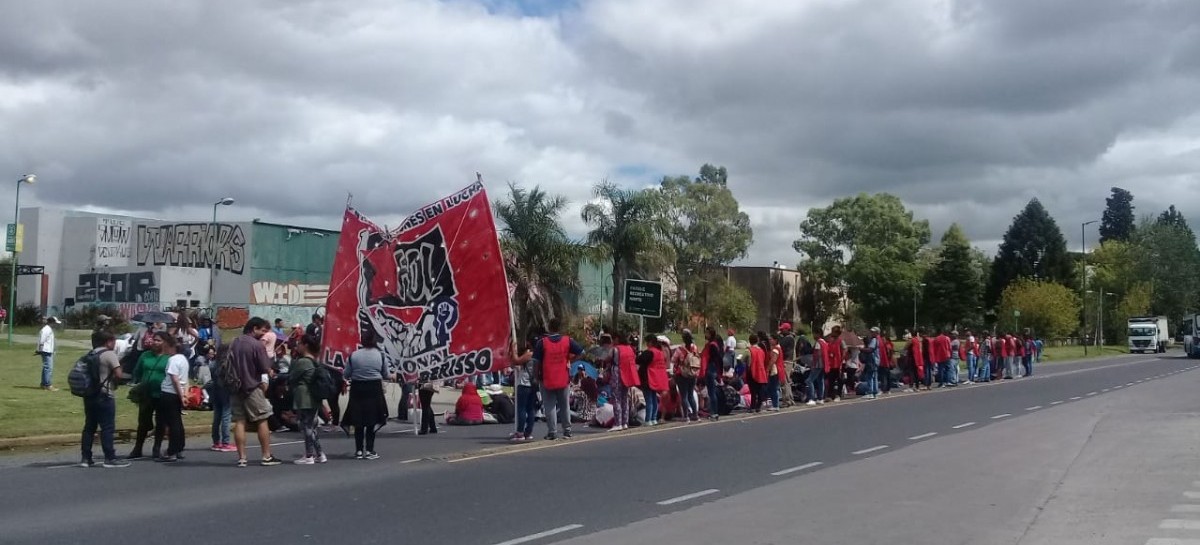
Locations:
{"points": [[45, 349], [731, 344], [169, 411]]}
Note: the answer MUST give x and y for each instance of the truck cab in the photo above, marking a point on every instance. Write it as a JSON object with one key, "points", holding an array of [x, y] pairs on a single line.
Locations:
{"points": [[1148, 334]]}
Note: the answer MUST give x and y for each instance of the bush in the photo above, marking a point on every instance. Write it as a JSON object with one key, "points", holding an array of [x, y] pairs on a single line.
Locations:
{"points": [[89, 317], [27, 314]]}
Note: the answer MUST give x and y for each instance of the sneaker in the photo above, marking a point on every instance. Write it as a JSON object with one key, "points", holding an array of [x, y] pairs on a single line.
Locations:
{"points": [[811, 403], [227, 448], [567, 434], [86, 464], [168, 459], [137, 454], [837, 398], [305, 461], [241, 462], [116, 463], [215, 448], [551, 437], [821, 402], [322, 458], [370, 455], [272, 461], [529, 438], [358, 455]]}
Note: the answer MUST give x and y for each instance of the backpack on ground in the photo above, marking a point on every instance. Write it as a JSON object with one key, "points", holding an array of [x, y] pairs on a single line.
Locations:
{"points": [[84, 378], [227, 375], [322, 383]]}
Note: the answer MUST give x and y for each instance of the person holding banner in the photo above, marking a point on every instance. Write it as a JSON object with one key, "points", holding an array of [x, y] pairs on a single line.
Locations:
{"points": [[555, 353]]}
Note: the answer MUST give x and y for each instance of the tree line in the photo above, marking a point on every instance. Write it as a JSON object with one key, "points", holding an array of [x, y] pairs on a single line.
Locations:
{"points": [[864, 260]]}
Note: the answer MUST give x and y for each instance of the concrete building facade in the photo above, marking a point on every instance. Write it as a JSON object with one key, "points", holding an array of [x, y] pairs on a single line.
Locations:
{"points": [[140, 264]]}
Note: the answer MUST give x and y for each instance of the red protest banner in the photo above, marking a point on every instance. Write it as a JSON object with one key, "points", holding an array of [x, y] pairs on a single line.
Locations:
{"points": [[433, 291]]}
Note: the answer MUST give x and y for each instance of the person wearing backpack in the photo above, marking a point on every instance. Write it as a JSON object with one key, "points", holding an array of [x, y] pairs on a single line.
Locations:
{"points": [[686, 361], [103, 369], [302, 377]]}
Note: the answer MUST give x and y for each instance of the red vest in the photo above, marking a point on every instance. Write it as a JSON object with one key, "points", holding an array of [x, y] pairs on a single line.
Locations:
{"points": [[657, 373], [556, 364], [917, 355], [834, 355], [758, 365], [629, 374]]}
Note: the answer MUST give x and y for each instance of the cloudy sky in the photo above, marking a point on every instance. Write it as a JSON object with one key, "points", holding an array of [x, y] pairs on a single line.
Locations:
{"points": [[964, 108]]}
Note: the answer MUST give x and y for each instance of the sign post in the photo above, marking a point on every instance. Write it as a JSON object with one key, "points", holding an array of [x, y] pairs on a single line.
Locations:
{"points": [[643, 298], [1017, 321]]}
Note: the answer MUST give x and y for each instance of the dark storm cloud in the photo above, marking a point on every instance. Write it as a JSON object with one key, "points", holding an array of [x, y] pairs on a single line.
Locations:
{"points": [[966, 109]]}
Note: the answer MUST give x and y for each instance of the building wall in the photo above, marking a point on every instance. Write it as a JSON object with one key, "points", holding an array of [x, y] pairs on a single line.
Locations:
{"points": [[290, 269], [776, 294]]}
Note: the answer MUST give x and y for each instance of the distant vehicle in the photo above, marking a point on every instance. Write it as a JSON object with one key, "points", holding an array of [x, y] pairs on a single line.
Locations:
{"points": [[1191, 335], [1148, 334]]}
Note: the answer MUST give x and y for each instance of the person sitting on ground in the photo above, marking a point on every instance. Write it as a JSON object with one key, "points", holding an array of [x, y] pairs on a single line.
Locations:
{"points": [[500, 404], [468, 410]]}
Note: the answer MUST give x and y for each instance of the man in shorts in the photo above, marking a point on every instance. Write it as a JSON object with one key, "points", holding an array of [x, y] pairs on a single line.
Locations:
{"points": [[249, 404]]}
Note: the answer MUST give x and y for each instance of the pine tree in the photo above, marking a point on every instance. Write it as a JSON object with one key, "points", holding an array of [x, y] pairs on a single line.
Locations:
{"points": [[1117, 221], [954, 286], [1033, 247], [1173, 218]]}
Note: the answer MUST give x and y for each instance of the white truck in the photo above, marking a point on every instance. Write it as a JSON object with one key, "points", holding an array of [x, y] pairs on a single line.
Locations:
{"points": [[1191, 335], [1148, 334]]}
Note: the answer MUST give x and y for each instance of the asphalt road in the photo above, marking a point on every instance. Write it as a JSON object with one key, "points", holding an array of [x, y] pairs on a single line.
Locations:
{"points": [[467, 487]]}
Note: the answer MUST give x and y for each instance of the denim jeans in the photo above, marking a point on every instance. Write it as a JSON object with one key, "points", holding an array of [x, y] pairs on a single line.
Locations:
{"points": [[1010, 368], [526, 410], [651, 404], [556, 405], [47, 369], [773, 390], [943, 372], [885, 379], [814, 383], [222, 413], [99, 411], [972, 367], [1028, 365], [985, 369], [687, 396], [952, 372], [871, 376], [714, 394]]}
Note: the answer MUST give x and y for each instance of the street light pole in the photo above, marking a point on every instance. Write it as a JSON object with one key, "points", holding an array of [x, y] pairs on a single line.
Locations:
{"points": [[213, 233], [1083, 261], [12, 264]]}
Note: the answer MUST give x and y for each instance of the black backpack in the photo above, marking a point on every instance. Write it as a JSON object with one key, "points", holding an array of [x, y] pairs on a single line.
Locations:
{"points": [[322, 386], [227, 376], [84, 377], [806, 348]]}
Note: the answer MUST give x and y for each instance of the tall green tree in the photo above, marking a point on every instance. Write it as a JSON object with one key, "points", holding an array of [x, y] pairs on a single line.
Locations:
{"points": [[540, 260], [1171, 259], [1173, 217], [882, 241], [1033, 247], [705, 227], [627, 228], [1117, 221], [1048, 309], [954, 285]]}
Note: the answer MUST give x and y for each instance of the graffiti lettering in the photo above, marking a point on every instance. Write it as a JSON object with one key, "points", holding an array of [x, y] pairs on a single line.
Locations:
{"points": [[137, 287], [112, 242], [274, 293], [196, 245]]}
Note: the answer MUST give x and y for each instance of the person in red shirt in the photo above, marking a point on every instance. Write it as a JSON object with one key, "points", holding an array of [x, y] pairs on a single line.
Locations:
{"points": [[835, 355], [556, 352], [815, 381], [1006, 344], [775, 371], [916, 364], [887, 362], [468, 410], [756, 374]]}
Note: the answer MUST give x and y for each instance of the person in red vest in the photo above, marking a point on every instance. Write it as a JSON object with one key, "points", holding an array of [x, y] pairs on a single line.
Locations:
{"points": [[887, 362], [941, 358], [835, 354], [916, 370], [624, 375], [756, 374], [652, 363], [555, 353]]}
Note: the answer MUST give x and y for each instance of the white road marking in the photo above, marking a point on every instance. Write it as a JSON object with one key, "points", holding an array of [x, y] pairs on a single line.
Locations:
{"points": [[540, 535], [1091, 393], [1171, 541], [963, 425], [687, 497], [809, 465], [1180, 524], [1033, 408], [1129, 384], [1191, 495], [76, 464], [414, 460], [1056, 402], [869, 450], [999, 416], [1104, 391], [1185, 508], [922, 436], [1117, 387]]}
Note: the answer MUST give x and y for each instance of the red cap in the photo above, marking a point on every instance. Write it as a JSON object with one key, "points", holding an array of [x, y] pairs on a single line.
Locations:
{"points": [[787, 326], [729, 331]]}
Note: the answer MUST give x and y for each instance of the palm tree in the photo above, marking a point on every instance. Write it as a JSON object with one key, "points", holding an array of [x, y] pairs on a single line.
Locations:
{"points": [[627, 227], [540, 260]]}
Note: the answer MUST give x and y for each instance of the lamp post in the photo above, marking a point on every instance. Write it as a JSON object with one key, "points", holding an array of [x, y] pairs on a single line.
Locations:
{"points": [[1083, 261], [916, 292], [213, 233], [12, 264]]}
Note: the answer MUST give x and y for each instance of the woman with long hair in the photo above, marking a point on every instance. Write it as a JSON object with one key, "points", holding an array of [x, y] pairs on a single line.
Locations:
{"points": [[366, 411], [301, 377], [169, 411], [148, 375]]}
